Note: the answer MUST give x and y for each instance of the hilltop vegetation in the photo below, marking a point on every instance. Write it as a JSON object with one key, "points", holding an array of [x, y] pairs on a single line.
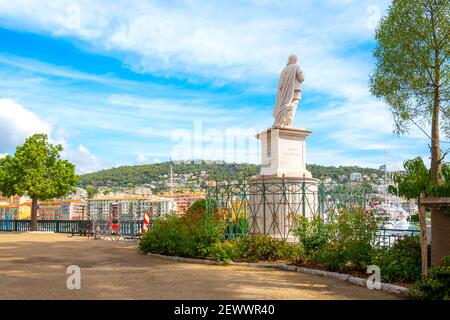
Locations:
{"points": [[127, 176], [138, 175], [334, 172]]}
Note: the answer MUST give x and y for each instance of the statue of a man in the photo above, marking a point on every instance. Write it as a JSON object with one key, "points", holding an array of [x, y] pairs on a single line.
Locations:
{"points": [[289, 93]]}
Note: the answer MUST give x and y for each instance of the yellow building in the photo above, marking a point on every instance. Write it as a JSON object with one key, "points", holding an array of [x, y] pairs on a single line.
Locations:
{"points": [[21, 212]]}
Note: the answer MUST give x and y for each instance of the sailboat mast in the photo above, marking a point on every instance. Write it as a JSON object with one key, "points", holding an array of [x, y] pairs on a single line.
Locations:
{"points": [[171, 179], [385, 179]]}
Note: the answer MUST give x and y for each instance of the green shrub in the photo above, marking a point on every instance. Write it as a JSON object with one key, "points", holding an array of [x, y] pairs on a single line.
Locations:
{"points": [[197, 206], [401, 262], [352, 245], [313, 234], [343, 242], [257, 247], [435, 285], [191, 235], [226, 251], [263, 247], [414, 218]]}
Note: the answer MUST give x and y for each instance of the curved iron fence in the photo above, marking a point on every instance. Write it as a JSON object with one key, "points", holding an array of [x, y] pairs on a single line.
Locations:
{"points": [[269, 207]]}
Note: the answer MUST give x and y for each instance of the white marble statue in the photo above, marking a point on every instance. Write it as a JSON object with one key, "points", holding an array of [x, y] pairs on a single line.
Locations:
{"points": [[289, 93]]}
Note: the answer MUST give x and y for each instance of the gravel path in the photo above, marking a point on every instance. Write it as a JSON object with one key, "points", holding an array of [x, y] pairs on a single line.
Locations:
{"points": [[33, 266]]}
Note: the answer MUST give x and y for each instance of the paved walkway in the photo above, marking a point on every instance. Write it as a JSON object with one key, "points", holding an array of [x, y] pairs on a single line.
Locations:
{"points": [[33, 266]]}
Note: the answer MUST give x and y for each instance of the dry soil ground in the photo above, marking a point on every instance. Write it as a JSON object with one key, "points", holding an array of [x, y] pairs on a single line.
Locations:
{"points": [[33, 266]]}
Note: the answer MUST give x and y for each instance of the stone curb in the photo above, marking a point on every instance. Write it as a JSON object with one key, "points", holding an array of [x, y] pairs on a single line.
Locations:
{"points": [[39, 232], [339, 276]]}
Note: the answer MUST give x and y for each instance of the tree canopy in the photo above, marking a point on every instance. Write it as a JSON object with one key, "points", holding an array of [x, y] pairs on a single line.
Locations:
{"points": [[416, 179], [413, 181], [37, 170], [412, 72]]}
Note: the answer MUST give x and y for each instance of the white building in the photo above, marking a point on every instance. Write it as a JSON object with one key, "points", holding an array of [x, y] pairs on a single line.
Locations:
{"points": [[130, 207], [79, 194], [356, 177]]}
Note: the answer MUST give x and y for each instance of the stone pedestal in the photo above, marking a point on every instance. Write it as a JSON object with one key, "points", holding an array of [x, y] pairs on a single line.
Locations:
{"points": [[283, 152], [284, 189]]}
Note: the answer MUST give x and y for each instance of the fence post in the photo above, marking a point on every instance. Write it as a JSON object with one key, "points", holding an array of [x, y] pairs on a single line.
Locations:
{"points": [[264, 205], [303, 197], [423, 234], [15, 226], [57, 226]]}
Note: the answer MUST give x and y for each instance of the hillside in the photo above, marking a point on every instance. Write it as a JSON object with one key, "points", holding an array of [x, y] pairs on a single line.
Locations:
{"points": [[139, 175]]}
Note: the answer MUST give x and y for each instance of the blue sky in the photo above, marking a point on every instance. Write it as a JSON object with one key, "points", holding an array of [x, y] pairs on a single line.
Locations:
{"points": [[134, 82]]}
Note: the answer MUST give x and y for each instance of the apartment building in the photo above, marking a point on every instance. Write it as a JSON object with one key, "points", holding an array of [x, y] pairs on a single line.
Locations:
{"points": [[184, 200], [130, 207]]}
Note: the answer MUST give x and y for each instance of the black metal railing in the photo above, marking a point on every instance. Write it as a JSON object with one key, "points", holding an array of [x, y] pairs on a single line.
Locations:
{"points": [[387, 237], [127, 228]]}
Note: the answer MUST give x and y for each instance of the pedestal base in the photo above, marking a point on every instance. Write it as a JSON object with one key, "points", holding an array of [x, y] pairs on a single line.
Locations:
{"points": [[275, 203], [283, 152]]}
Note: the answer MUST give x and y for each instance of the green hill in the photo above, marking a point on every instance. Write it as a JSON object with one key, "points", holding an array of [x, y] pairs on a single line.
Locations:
{"points": [[137, 175]]}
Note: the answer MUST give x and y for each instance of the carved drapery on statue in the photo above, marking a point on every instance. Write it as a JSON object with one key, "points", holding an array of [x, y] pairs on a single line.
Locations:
{"points": [[289, 93]]}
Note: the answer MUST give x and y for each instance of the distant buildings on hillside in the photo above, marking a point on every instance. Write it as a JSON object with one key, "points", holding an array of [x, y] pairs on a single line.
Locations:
{"points": [[63, 209], [130, 207], [356, 177], [78, 207]]}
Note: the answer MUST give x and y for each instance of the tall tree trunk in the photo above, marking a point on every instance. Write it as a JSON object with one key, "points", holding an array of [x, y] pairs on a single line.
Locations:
{"points": [[34, 207], [435, 144], [440, 224]]}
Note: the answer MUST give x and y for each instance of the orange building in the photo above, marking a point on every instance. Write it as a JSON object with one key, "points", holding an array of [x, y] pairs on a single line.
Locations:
{"points": [[21, 212], [184, 200], [17, 207]]}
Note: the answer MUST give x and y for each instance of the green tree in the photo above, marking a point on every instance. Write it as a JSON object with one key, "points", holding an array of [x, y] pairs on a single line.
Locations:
{"points": [[413, 181], [91, 191], [413, 71], [412, 74], [37, 170]]}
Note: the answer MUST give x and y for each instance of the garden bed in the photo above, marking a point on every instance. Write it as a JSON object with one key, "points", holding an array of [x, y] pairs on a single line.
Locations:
{"points": [[343, 247]]}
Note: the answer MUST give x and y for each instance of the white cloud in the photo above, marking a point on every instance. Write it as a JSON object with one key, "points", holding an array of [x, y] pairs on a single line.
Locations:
{"points": [[17, 123], [84, 160], [250, 39], [248, 44], [141, 159]]}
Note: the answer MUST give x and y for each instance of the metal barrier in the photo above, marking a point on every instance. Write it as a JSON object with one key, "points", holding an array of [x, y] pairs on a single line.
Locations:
{"points": [[387, 237], [126, 228]]}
